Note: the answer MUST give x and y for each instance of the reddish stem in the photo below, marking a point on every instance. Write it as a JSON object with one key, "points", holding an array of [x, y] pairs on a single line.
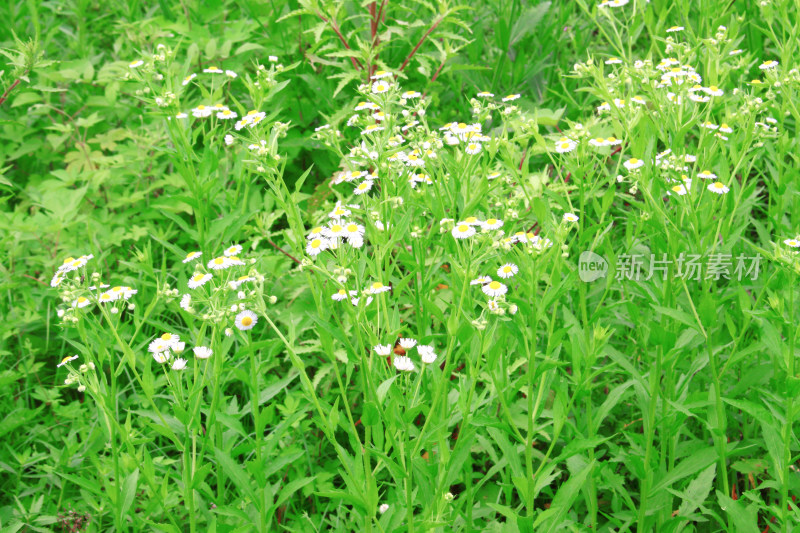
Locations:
{"points": [[422, 40], [356, 63], [438, 70], [282, 251], [8, 91]]}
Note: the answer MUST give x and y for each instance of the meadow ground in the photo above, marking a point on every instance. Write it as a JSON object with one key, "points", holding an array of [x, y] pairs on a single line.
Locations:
{"points": [[344, 265]]}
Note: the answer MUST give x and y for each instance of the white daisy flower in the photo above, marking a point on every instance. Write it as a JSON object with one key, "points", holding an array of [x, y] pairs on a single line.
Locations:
{"points": [[426, 353], [381, 74], [81, 302], [66, 360], [136, 64], [198, 280], [380, 87], [226, 114], [202, 352], [383, 349], [766, 65], [473, 148], [481, 280], [366, 105], [220, 263], [680, 189], [212, 70], [317, 246], [407, 343], [231, 74], [246, 320], [179, 364], [508, 270], [236, 249], [633, 164], [674, 29], [354, 230], [707, 175], [485, 94], [597, 142], [794, 243], [403, 363], [158, 345], [107, 297], [372, 128], [377, 288], [718, 187], [188, 79], [318, 231], [202, 111], [491, 223], [171, 339], [363, 187], [494, 289], [186, 302], [339, 295], [410, 94], [511, 97], [570, 217], [161, 357], [463, 231]]}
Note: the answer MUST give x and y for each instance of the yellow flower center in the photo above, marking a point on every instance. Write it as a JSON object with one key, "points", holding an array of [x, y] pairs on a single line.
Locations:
{"points": [[166, 337], [633, 161], [219, 260], [463, 228], [316, 243], [494, 285], [246, 321], [197, 277]]}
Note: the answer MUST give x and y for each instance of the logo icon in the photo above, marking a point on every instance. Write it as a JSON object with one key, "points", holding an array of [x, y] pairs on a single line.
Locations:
{"points": [[591, 266]]}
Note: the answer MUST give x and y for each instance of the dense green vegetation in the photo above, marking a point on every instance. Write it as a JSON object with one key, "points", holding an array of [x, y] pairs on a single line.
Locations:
{"points": [[338, 265]]}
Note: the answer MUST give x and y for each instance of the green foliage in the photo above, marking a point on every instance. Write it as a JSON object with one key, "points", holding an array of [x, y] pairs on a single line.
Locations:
{"points": [[383, 158]]}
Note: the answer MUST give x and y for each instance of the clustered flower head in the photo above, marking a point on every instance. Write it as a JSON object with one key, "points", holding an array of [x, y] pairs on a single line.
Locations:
{"points": [[75, 290]]}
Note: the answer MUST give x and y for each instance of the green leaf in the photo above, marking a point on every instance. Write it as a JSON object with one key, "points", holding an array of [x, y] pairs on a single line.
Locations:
{"points": [[697, 491], [236, 473], [129, 491]]}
